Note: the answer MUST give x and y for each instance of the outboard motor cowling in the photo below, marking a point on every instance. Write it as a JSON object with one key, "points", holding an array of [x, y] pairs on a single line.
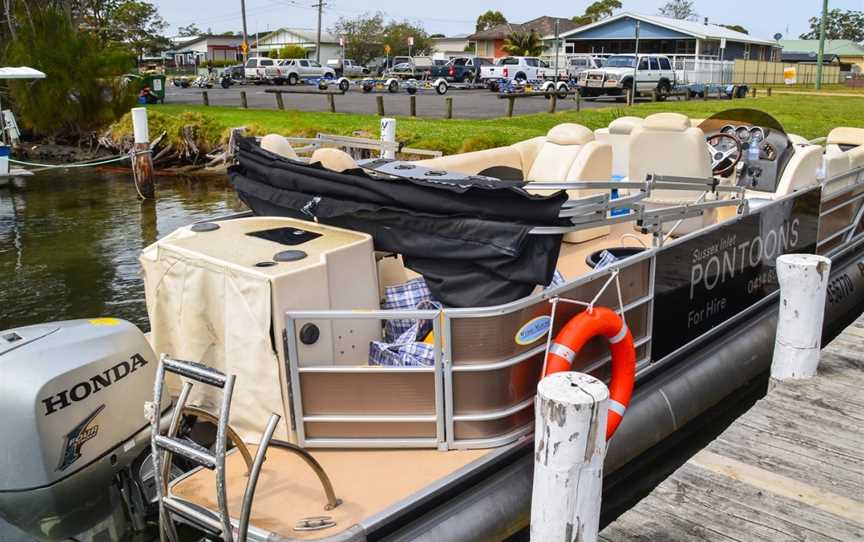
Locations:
{"points": [[72, 396]]}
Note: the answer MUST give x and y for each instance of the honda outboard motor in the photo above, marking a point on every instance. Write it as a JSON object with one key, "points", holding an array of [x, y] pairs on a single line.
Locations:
{"points": [[72, 419]]}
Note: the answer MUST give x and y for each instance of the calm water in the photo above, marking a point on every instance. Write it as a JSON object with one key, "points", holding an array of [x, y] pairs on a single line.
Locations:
{"points": [[69, 242]]}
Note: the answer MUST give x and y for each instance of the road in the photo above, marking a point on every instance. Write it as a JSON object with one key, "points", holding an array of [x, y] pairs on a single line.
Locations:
{"points": [[467, 104]]}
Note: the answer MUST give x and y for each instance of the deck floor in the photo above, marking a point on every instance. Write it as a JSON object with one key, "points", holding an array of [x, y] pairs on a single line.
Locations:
{"points": [[791, 468]]}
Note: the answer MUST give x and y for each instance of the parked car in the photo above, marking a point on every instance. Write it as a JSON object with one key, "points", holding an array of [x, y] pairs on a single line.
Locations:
{"points": [[577, 64], [407, 67], [304, 67], [654, 72], [260, 69], [236, 72], [515, 68], [462, 69], [346, 67]]}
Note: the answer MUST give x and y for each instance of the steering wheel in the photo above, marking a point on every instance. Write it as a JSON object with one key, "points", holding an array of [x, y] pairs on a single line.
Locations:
{"points": [[719, 156]]}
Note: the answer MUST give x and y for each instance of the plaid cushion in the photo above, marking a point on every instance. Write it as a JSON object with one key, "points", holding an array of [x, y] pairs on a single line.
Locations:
{"points": [[410, 295]]}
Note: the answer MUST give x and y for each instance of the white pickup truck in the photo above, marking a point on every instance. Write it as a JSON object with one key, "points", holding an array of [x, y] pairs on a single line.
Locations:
{"points": [[515, 68], [295, 68], [260, 69], [615, 78], [347, 68]]}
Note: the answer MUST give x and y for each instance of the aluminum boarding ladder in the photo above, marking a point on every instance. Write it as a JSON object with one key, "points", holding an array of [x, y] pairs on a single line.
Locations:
{"points": [[164, 446]]}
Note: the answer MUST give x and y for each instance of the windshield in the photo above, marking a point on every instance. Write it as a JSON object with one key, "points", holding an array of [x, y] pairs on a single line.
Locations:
{"points": [[621, 62]]}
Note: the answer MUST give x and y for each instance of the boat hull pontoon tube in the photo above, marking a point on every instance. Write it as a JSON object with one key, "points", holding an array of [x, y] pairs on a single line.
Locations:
{"points": [[392, 319]]}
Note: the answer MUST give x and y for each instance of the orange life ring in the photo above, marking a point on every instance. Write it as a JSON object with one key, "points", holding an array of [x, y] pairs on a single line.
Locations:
{"points": [[586, 325]]}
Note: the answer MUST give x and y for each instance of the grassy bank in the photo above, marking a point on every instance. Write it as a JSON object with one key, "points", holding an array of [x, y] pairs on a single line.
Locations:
{"points": [[808, 116]]}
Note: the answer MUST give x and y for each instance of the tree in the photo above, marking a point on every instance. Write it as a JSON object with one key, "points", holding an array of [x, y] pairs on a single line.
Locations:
{"points": [[736, 28], [188, 31], [292, 51], [679, 9], [488, 20], [840, 25], [597, 11], [523, 43], [397, 35], [363, 36]]}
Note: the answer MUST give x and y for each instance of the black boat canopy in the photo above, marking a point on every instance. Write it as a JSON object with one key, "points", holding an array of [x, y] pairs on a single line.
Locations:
{"points": [[470, 240]]}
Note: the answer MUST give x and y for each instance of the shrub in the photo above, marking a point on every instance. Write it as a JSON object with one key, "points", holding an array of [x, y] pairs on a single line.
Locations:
{"points": [[291, 51]]}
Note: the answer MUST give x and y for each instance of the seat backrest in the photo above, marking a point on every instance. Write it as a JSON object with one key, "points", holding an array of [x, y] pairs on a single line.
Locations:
{"points": [[618, 136], [333, 159], [563, 144], [667, 144], [278, 145], [800, 171], [593, 163], [846, 136]]}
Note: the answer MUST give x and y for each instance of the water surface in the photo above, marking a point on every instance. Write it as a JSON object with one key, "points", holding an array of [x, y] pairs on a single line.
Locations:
{"points": [[69, 241]]}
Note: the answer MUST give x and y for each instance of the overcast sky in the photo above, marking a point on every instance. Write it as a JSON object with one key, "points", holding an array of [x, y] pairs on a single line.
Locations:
{"points": [[763, 18]]}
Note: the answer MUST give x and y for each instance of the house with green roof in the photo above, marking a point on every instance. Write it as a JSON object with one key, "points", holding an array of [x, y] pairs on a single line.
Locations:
{"points": [[850, 54]]}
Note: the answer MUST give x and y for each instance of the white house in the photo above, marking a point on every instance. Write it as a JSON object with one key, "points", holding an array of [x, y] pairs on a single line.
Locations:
{"points": [[449, 46], [304, 37], [198, 50]]}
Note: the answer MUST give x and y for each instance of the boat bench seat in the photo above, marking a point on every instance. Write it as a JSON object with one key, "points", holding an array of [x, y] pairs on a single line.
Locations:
{"points": [[618, 136]]}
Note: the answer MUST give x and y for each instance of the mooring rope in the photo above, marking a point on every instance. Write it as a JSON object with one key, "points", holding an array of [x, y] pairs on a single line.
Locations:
{"points": [[86, 163]]}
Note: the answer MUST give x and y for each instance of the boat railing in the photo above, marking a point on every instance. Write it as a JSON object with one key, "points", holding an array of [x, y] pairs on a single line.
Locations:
{"points": [[842, 211]]}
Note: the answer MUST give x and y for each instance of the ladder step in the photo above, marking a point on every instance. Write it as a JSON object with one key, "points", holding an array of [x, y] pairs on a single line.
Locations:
{"points": [[195, 371], [197, 516], [189, 450]]}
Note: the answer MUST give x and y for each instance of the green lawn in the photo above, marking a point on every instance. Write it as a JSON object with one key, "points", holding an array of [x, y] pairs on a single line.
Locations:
{"points": [[826, 89], [808, 116]]}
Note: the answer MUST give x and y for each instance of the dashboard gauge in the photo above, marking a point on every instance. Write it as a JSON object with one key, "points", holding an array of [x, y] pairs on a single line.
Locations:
{"points": [[756, 134], [743, 133], [728, 129]]}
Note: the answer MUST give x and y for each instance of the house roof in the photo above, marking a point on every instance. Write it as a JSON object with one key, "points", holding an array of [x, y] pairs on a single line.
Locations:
{"points": [[307, 34], [697, 30], [837, 47], [829, 58], [183, 41], [542, 25]]}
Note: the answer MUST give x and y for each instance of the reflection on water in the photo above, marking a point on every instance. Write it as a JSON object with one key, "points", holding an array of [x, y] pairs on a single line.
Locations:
{"points": [[69, 241]]}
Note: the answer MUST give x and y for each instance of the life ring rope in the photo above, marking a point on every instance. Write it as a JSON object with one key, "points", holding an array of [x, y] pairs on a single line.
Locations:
{"points": [[588, 324]]}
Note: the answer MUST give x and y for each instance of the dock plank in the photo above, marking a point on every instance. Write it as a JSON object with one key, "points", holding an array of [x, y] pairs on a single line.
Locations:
{"points": [[790, 469]]}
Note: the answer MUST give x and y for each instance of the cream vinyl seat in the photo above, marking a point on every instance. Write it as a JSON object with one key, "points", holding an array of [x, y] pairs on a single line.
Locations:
{"points": [[333, 159], [667, 144], [278, 145], [844, 152], [618, 136]]}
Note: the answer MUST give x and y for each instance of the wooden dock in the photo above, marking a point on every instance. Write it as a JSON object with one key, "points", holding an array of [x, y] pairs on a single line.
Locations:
{"points": [[791, 468]]}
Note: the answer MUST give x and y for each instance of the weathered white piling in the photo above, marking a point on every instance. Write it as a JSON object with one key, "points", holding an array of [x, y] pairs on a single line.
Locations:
{"points": [[569, 449], [803, 281], [142, 161], [388, 135]]}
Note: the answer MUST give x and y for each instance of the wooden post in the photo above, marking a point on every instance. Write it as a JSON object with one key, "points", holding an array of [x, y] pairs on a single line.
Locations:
{"points": [[754, 92], [449, 101], [331, 101], [553, 103], [628, 96], [578, 102], [412, 103], [142, 161], [769, 92], [279, 102], [388, 135], [243, 103], [205, 98], [569, 449], [510, 100], [803, 281], [380, 100], [654, 95]]}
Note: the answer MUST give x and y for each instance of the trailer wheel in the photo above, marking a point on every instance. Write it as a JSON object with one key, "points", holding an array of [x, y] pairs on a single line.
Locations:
{"points": [[393, 87], [441, 88], [344, 85], [367, 88], [322, 85], [292, 79], [410, 90]]}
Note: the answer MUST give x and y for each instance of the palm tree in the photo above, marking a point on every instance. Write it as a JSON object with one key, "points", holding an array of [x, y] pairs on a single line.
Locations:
{"points": [[523, 43]]}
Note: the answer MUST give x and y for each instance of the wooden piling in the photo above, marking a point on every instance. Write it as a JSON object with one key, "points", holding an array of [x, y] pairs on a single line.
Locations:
{"points": [[510, 102], [243, 103], [769, 92], [205, 98], [142, 161], [803, 282], [578, 102], [331, 101], [449, 101], [569, 449], [380, 101], [553, 103], [412, 104], [754, 92], [280, 103]]}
